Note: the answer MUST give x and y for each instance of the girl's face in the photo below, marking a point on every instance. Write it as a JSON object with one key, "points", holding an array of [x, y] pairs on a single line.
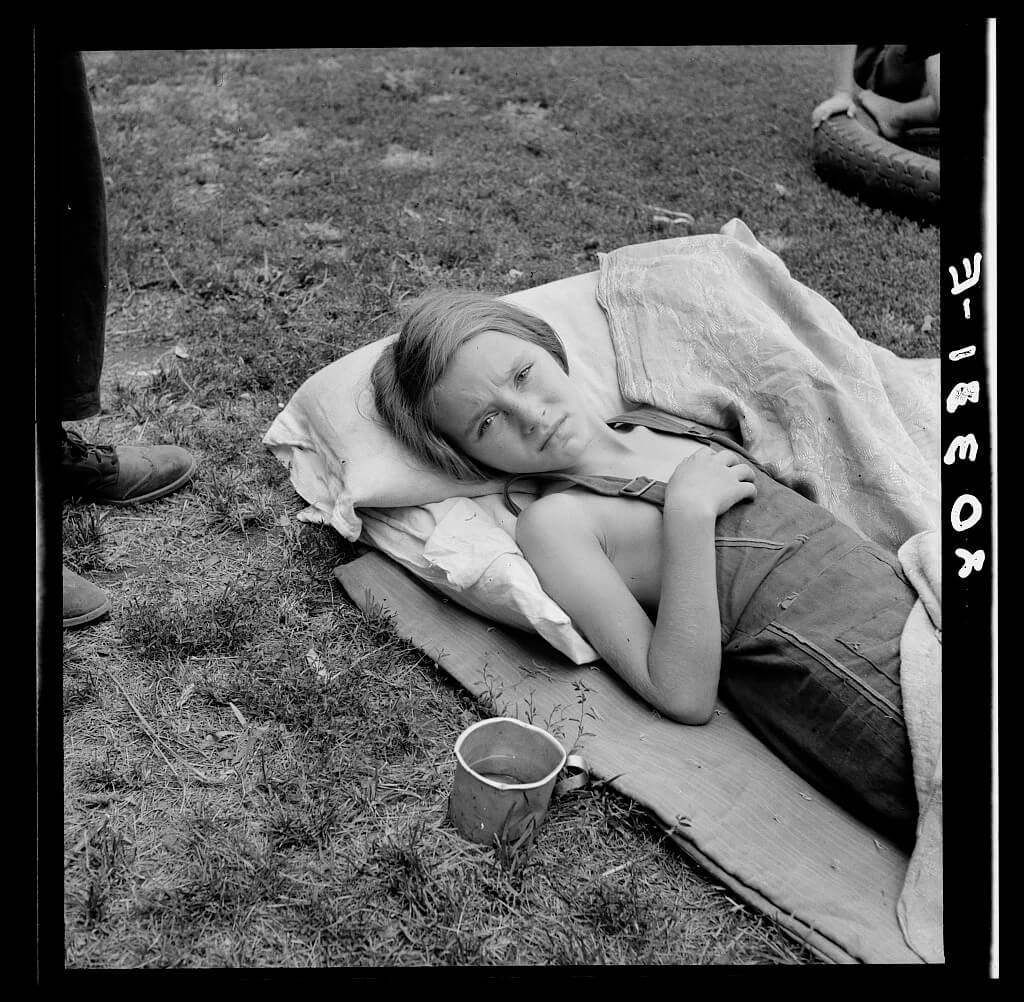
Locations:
{"points": [[508, 403]]}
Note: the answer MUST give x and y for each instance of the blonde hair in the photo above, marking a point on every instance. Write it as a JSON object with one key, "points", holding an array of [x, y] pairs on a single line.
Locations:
{"points": [[436, 325]]}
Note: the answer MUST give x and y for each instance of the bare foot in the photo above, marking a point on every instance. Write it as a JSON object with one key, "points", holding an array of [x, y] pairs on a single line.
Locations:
{"points": [[885, 111]]}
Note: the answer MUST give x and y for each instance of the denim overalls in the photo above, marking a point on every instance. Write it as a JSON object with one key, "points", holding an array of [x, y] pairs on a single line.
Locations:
{"points": [[811, 620]]}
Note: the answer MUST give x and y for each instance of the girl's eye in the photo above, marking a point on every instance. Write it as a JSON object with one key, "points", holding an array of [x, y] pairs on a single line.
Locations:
{"points": [[523, 374], [484, 425]]}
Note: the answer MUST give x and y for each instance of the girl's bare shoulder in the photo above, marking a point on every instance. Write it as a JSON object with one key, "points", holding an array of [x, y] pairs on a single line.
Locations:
{"points": [[555, 511], [568, 514]]}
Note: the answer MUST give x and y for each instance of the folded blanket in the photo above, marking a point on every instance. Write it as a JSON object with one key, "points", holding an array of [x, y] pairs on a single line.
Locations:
{"points": [[715, 329], [920, 905]]}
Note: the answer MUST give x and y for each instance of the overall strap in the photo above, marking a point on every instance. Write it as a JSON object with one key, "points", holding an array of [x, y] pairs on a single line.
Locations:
{"points": [[639, 487], [652, 491]]}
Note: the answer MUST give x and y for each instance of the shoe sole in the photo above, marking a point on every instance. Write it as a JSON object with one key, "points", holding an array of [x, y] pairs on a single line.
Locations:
{"points": [[153, 495], [88, 617]]}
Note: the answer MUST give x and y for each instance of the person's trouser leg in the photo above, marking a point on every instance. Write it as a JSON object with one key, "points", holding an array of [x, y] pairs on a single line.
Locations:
{"points": [[814, 669], [82, 254], [886, 70]]}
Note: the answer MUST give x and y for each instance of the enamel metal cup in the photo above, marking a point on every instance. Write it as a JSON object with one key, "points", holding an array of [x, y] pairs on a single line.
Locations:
{"points": [[505, 771]]}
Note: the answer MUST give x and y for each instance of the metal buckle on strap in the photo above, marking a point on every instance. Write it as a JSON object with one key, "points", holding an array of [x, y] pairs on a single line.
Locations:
{"points": [[637, 486]]}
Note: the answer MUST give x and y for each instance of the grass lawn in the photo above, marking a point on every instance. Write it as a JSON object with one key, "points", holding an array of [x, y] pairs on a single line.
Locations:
{"points": [[255, 773]]}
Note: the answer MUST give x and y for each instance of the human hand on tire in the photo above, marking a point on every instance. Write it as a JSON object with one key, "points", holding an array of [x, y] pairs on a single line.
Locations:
{"points": [[838, 104]]}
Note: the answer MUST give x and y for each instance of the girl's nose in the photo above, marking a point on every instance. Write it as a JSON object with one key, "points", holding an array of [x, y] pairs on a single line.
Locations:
{"points": [[534, 419], [530, 415]]}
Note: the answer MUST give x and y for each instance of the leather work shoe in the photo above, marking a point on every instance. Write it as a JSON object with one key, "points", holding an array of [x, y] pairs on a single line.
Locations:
{"points": [[84, 602], [123, 475]]}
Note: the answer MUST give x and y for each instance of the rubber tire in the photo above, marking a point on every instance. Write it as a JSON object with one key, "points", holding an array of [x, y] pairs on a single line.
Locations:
{"points": [[852, 158]]}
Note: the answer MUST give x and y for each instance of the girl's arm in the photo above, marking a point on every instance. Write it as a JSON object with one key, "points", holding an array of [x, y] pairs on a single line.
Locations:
{"points": [[673, 664], [685, 653]]}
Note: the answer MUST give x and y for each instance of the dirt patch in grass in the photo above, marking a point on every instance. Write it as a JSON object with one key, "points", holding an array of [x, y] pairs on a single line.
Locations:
{"points": [[398, 158], [255, 774]]}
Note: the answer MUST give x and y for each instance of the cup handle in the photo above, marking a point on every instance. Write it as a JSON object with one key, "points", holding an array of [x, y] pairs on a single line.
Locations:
{"points": [[577, 775]]}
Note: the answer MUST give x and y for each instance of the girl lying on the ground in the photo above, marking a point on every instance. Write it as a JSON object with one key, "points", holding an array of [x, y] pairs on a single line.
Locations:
{"points": [[726, 581]]}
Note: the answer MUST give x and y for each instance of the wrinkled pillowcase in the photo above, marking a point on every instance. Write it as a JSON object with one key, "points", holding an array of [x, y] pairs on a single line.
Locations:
{"points": [[458, 537]]}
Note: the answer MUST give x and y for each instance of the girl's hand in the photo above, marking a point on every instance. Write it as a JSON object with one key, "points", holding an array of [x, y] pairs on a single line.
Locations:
{"points": [[840, 103], [709, 482]]}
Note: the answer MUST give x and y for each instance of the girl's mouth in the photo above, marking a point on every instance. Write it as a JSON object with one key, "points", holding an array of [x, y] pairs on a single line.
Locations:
{"points": [[547, 438]]}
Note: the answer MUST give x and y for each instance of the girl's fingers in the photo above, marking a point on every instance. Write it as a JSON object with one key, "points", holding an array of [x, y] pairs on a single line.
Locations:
{"points": [[743, 471]]}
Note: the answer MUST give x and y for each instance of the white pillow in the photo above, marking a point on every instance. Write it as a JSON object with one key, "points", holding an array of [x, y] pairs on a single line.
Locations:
{"points": [[460, 548], [458, 537]]}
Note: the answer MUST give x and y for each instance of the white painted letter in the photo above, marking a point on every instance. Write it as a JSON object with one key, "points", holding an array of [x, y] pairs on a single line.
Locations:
{"points": [[970, 278], [972, 561], [958, 506], [965, 446], [955, 356], [963, 393]]}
